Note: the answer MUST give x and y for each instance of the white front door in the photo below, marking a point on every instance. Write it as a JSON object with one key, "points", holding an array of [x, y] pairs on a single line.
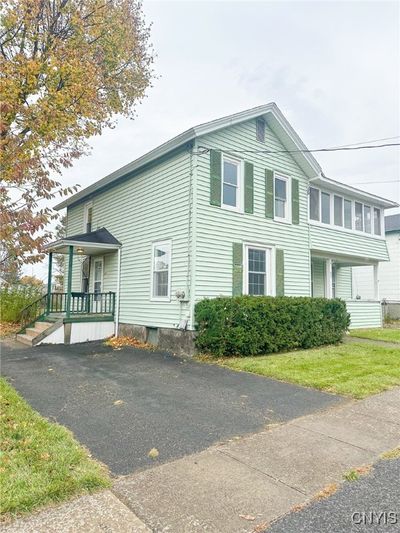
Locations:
{"points": [[97, 281]]}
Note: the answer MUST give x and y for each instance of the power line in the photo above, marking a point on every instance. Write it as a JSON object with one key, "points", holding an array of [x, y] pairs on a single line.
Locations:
{"points": [[370, 141], [205, 150], [365, 182]]}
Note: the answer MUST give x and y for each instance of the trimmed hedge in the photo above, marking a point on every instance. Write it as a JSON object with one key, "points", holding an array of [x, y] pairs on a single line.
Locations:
{"points": [[256, 325]]}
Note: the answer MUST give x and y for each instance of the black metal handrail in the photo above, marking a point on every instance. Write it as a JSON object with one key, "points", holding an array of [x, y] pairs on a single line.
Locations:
{"points": [[33, 312]]}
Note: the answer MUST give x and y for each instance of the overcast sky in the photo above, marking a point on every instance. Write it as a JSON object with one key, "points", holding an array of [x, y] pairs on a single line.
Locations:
{"points": [[332, 67]]}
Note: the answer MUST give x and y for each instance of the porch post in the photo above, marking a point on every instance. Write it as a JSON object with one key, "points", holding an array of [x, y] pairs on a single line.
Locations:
{"points": [[69, 284], [328, 277], [376, 281], [49, 277], [116, 311]]}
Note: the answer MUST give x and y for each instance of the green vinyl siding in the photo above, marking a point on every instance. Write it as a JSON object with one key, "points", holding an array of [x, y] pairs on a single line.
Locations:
{"points": [[343, 283], [218, 228], [364, 314], [149, 207], [330, 240]]}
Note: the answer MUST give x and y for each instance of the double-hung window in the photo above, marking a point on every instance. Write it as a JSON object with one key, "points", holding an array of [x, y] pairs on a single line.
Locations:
{"points": [[87, 217], [258, 270], [161, 270], [231, 183], [281, 190]]}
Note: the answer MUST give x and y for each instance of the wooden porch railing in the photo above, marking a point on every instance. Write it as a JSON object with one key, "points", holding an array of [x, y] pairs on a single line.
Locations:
{"points": [[82, 303]]}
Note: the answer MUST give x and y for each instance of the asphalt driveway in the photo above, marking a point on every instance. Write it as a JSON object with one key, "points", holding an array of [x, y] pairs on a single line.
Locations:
{"points": [[122, 403]]}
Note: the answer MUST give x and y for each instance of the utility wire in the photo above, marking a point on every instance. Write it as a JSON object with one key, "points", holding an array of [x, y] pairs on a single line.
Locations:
{"points": [[365, 182], [204, 150], [370, 141]]}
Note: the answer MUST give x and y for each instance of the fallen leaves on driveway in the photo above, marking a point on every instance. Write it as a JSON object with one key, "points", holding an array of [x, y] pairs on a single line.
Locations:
{"points": [[8, 328], [117, 343]]}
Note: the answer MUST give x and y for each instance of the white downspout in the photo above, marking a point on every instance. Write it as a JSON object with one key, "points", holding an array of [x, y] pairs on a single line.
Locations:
{"points": [[118, 294]]}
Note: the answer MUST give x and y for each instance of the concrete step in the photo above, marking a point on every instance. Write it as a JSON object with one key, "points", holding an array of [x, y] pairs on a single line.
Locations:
{"points": [[25, 339], [34, 332], [41, 326]]}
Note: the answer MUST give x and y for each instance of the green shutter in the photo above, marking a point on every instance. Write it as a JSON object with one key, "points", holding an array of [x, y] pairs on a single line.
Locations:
{"points": [[215, 177], [280, 273], [248, 187], [295, 202], [237, 269], [269, 193]]}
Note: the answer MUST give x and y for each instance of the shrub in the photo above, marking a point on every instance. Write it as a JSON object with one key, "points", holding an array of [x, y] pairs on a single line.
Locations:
{"points": [[13, 299], [254, 325]]}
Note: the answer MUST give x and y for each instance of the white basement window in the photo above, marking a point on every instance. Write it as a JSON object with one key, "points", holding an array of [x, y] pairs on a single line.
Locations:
{"points": [[161, 270], [231, 183], [281, 192]]}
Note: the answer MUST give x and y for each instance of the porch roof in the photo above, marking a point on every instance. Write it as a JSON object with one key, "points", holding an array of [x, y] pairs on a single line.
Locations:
{"points": [[93, 243]]}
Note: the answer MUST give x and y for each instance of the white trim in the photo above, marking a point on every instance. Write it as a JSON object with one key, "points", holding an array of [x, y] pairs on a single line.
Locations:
{"points": [[328, 278], [270, 274], [332, 224], [80, 244], [117, 299], [239, 188], [376, 281], [288, 207], [166, 242]]}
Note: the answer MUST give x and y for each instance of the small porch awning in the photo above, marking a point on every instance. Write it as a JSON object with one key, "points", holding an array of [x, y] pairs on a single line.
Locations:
{"points": [[93, 243]]}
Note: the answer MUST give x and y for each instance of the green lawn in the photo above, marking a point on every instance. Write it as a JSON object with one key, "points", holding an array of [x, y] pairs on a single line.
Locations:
{"points": [[40, 462], [356, 370], [379, 334]]}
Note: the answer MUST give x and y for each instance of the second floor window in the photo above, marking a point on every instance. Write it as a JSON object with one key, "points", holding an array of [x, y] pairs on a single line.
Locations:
{"points": [[88, 215], [281, 186], [231, 183]]}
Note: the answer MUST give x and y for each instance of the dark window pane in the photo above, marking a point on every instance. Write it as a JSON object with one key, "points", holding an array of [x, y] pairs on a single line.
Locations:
{"points": [[230, 173], [280, 189], [229, 196], [256, 284], [338, 210], [325, 208], [314, 204], [347, 214], [257, 261]]}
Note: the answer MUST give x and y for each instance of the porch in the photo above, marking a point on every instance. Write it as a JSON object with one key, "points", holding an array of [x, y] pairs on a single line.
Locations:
{"points": [[331, 277], [61, 310]]}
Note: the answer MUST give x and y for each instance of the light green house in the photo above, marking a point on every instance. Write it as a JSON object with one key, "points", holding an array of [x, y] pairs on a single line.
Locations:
{"points": [[233, 206]]}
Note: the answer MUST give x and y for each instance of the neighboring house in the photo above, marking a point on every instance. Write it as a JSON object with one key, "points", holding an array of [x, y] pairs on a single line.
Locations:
{"points": [[389, 272], [233, 206]]}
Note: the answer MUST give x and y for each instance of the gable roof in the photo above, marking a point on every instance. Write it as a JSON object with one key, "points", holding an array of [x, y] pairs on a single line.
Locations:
{"points": [[392, 223], [100, 239], [273, 116], [275, 120]]}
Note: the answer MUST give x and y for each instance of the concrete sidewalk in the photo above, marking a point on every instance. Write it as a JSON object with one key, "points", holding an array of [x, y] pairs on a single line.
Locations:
{"points": [[238, 486], [247, 483]]}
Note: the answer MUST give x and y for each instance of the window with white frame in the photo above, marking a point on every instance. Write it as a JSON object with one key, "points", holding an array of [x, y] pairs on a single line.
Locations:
{"points": [[260, 130], [367, 219], [281, 193], [377, 221], [358, 215], [347, 214], [338, 210], [325, 208], [231, 183], [161, 270], [87, 217], [258, 280], [314, 204]]}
